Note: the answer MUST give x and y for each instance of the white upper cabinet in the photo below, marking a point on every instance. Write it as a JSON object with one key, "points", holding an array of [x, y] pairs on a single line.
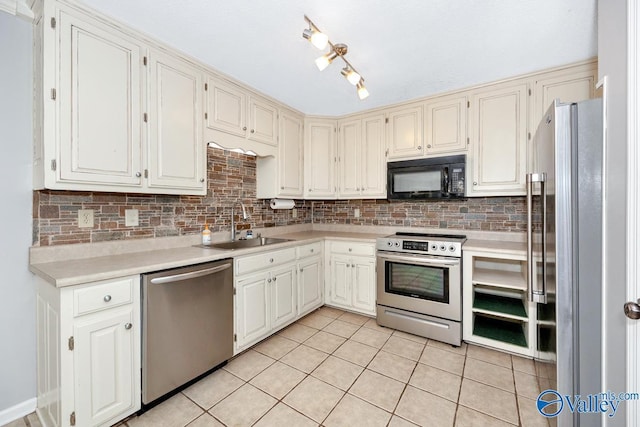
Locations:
{"points": [[99, 99], [320, 159], [282, 175], [404, 133], [236, 118], [97, 131], [361, 162], [498, 132], [568, 85], [177, 155], [445, 125]]}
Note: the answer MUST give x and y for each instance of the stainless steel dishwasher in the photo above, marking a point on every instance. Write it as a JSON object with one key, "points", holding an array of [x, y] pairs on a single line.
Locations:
{"points": [[187, 325]]}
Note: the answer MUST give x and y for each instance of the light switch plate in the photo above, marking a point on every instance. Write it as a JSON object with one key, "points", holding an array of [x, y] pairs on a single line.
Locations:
{"points": [[356, 213], [131, 217], [85, 218]]}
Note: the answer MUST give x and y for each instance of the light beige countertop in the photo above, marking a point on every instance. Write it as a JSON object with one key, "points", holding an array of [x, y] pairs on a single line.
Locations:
{"points": [[70, 271], [69, 265]]}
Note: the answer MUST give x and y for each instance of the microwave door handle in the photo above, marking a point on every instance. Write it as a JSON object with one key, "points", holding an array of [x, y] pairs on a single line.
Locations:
{"points": [[445, 181]]}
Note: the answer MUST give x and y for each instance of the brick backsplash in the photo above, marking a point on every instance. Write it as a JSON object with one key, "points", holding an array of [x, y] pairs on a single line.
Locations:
{"points": [[231, 177], [483, 214]]}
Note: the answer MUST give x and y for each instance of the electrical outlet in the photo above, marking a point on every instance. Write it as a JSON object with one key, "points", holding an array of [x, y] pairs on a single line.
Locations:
{"points": [[294, 213], [85, 218], [131, 217], [356, 213]]}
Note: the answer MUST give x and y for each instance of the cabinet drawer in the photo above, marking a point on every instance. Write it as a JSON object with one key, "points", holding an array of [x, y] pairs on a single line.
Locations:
{"points": [[264, 260], [310, 250], [350, 248], [102, 296]]}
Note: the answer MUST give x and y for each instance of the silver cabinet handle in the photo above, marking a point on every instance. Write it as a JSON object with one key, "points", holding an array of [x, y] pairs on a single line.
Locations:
{"points": [[419, 147], [271, 260], [275, 278], [244, 128], [107, 298], [475, 183], [632, 310], [269, 280], [301, 270], [128, 326], [282, 187], [311, 250], [138, 174], [428, 145], [191, 275], [350, 249], [201, 179], [253, 131]]}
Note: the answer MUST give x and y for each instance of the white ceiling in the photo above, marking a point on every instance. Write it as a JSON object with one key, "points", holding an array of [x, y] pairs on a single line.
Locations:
{"points": [[404, 49]]}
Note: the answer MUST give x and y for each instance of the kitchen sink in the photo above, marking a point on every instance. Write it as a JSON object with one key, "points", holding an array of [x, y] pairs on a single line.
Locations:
{"points": [[247, 243]]}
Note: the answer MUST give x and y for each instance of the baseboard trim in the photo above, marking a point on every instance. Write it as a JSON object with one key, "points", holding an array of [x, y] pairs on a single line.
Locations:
{"points": [[18, 411]]}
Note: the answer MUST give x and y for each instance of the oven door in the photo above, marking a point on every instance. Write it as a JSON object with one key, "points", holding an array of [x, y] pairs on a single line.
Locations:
{"points": [[420, 283]]}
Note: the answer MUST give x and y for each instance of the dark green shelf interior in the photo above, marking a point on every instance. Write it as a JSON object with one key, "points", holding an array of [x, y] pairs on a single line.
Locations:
{"points": [[499, 304], [547, 312], [499, 330], [546, 339]]}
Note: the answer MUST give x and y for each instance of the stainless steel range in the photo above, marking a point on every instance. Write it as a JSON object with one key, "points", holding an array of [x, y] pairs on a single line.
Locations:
{"points": [[419, 284]]}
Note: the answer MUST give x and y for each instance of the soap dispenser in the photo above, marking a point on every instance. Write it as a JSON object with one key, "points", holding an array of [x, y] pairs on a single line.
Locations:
{"points": [[206, 235]]}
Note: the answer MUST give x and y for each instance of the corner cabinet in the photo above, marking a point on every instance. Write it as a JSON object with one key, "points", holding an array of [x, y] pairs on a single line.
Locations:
{"points": [[93, 124], [320, 159], [351, 276], [361, 158], [498, 133], [88, 340]]}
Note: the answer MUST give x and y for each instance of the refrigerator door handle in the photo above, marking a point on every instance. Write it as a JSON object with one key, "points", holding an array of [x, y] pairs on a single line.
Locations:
{"points": [[537, 290]]}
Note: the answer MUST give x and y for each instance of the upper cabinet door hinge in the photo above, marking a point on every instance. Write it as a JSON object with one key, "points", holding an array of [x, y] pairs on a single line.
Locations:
{"points": [[529, 92], [468, 141], [54, 165], [386, 119], [72, 343], [234, 291], [206, 86], [468, 104], [72, 418], [235, 337], [529, 136], [145, 117], [144, 60], [53, 22], [206, 116], [54, 93]]}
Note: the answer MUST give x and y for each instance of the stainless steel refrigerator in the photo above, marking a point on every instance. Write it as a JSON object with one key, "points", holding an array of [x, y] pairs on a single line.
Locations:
{"points": [[564, 251]]}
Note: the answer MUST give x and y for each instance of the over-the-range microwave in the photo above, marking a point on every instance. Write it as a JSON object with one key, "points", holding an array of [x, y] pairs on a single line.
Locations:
{"points": [[431, 178]]}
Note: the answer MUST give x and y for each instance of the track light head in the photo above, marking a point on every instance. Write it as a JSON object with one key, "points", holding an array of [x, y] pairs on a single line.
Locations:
{"points": [[350, 74], [316, 38], [362, 91], [325, 60]]}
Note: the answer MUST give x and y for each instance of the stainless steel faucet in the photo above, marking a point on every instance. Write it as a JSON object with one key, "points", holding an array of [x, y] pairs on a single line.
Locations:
{"points": [[233, 222]]}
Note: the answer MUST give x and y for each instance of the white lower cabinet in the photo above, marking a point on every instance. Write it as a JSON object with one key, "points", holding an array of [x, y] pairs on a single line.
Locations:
{"points": [[351, 276], [273, 289], [88, 340]]}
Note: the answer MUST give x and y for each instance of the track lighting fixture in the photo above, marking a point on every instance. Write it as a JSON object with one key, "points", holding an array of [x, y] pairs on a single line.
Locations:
{"points": [[321, 40]]}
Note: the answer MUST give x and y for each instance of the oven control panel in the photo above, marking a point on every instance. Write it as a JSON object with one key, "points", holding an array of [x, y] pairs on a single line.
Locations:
{"points": [[429, 247]]}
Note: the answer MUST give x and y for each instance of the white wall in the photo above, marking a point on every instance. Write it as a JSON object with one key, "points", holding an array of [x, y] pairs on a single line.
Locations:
{"points": [[612, 62], [17, 289]]}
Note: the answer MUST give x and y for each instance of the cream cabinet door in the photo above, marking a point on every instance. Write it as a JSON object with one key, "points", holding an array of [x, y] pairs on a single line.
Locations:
{"points": [[499, 137], [309, 285], [283, 295], [571, 85], [340, 273], [104, 365], [319, 159], [290, 166], [373, 168], [101, 80], [349, 158], [364, 289], [404, 133], [446, 125], [263, 121], [252, 309], [226, 107], [177, 157]]}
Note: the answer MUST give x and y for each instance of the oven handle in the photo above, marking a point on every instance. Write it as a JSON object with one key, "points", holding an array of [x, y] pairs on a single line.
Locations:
{"points": [[422, 259]]}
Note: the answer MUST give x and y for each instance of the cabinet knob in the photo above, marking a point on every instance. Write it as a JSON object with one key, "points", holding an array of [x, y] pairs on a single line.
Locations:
{"points": [[475, 183], [253, 131], [350, 249], [201, 179], [275, 278], [310, 190], [107, 298], [128, 326], [244, 128], [301, 270], [419, 147], [282, 187], [269, 280], [428, 145], [311, 250], [270, 259], [138, 174]]}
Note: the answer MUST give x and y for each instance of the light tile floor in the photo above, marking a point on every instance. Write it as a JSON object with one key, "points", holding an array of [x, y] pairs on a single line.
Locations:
{"points": [[335, 368]]}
